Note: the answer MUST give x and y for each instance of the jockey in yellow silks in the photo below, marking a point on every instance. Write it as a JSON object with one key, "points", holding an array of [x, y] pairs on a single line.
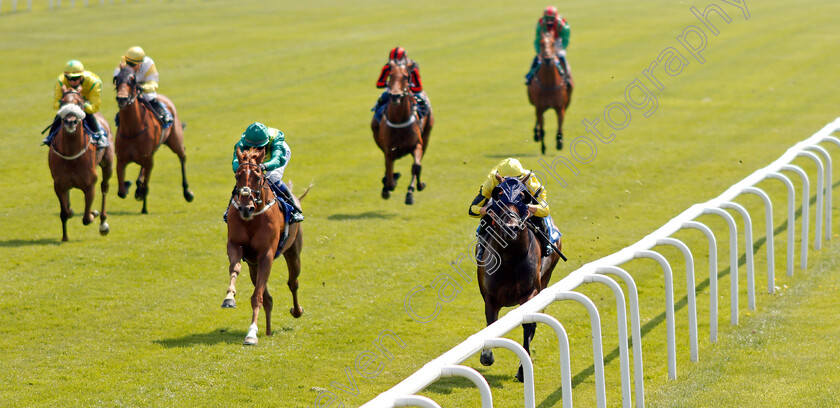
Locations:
{"points": [[511, 167], [146, 75], [90, 87]]}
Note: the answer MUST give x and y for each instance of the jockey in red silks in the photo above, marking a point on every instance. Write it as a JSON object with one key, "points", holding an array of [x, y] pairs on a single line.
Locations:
{"points": [[557, 25], [398, 56]]}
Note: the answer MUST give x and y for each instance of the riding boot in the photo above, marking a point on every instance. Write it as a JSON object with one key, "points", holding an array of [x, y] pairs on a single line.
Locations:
{"points": [[543, 234], [564, 67], [422, 104], [53, 130], [481, 233], [232, 193], [98, 136], [379, 108], [297, 214], [530, 75], [162, 112]]}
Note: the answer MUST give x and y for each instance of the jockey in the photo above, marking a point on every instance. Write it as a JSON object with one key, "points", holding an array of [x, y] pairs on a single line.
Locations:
{"points": [[399, 57], [557, 25], [90, 88], [277, 155], [538, 208], [146, 75]]}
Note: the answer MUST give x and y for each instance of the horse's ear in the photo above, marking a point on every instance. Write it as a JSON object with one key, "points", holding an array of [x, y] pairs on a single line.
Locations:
{"points": [[524, 179], [498, 177], [239, 154], [260, 155]]}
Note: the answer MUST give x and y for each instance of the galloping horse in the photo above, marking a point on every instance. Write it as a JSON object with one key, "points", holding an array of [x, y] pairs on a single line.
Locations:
{"points": [[512, 270], [140, 134], [401, 132], [73, 161], [549, 90], [255, 226]]}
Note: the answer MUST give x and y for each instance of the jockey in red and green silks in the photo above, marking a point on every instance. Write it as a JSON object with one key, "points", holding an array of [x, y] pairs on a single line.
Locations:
{"points": [[554, 23]]}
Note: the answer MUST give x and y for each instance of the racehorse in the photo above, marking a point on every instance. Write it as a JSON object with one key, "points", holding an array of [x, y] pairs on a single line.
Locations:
{"points": [[73, 160], [139, 136], [549, 90], [255, 225], [401, 132], [512, 270]]}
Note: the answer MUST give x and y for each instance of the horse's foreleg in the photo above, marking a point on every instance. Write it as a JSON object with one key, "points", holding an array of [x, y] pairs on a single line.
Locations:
{"points": [[89, 192], [122, 185], [388, 182], [235, 257], [263, 270], [106, 165], [142, 190], [561, 113], [491, 314], [64, 209], [539, 128], [528, 331], [416, 168]]}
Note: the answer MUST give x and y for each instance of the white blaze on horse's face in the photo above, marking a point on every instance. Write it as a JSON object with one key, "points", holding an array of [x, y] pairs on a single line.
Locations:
{"points": [[70, 123]]}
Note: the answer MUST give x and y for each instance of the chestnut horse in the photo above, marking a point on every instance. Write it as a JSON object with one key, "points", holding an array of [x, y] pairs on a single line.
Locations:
{"points": [[73, 160], [140, 134], [255, 225], [512, 270], [401, 132], [549, 90]]}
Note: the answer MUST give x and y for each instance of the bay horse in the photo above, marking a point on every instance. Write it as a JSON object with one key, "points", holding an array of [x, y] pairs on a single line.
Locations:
{"points": [[549, 90], [139, 136], [73, 160], [255, 225], [401, 131], [518, 272]]}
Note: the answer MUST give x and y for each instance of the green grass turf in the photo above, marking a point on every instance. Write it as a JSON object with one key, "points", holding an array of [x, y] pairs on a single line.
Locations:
{"points": [[133, 319]]}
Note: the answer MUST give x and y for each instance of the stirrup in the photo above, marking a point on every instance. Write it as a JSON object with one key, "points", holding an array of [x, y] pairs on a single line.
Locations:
{"points": [[297, 217]]}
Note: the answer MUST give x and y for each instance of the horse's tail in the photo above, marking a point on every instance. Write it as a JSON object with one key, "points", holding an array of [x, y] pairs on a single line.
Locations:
{"points": [[305, 192]]}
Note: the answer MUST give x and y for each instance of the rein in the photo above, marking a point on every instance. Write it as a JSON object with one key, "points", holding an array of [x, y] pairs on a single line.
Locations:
{"points": [[247, 191]]}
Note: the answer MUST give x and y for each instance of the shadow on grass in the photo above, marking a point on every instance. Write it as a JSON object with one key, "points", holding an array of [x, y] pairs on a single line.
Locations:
{"points": [[212, 337], [17, 243], [447, 385], [362, 216]]}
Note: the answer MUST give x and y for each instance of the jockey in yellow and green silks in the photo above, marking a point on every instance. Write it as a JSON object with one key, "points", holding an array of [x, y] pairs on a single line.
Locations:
{"points": [[90, 88], [559, 27], [540, 211]]}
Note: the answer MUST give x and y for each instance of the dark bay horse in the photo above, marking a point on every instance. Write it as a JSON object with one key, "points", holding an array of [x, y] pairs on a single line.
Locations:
{"points": [[139, 136], [517, 272], [549, 90], [73, 160], [255, 225], [402, 132]]}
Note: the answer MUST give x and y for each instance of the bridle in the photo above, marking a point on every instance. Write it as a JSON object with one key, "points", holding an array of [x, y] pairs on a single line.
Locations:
{"points": [[79, 123], [132, 90], [246, 191], [398, 96]]}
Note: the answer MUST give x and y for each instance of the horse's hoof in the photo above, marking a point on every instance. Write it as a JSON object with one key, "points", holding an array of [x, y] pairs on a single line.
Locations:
{"points": [[104, 229], [95, 213], [188, 195], [71, 214], [421, 186], [296, 312], [409, 198], [559, 142], [229, 303], [87, 221], [519, 376], [122, 195], [486, 358], [138, 195], [543, 149], [250, 341], [386, 194]]}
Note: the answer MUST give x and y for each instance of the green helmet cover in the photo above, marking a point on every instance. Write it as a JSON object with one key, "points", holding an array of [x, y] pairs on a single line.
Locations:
{"points": [[256, 135]]}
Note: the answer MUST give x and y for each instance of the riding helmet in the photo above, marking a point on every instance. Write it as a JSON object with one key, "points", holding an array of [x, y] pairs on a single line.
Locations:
{"points": [[397, 54], [551, 11], [256, 135], [135, 55], [74, 68]]}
